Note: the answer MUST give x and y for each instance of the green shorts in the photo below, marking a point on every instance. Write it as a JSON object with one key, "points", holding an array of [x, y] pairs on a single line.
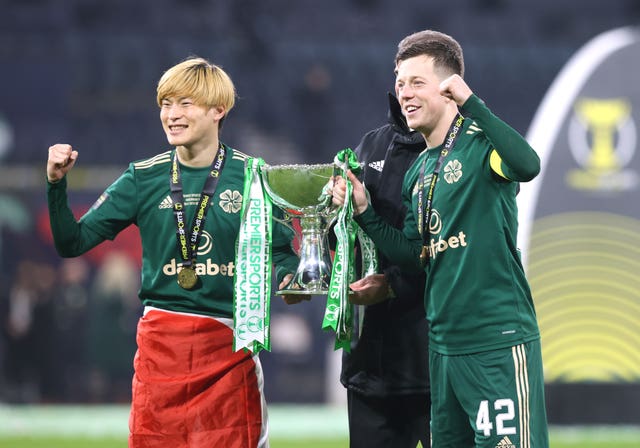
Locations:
{"points": [[492, 399]]}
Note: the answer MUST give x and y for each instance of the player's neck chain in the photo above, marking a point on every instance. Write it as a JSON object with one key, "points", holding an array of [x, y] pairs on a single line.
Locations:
{"points": [[188, 242], [425, 203]]}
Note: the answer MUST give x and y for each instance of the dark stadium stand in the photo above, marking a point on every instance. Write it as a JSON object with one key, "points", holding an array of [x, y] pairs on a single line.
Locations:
{"points": [[86, 70]]}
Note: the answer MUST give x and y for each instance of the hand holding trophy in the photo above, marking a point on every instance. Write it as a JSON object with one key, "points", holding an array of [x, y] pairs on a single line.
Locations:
{"points": [[301, 192]]}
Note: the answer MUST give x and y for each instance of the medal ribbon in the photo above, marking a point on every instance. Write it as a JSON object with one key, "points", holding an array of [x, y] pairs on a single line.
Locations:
{"points": [[188, 244], [424, 209], [252, 280]]}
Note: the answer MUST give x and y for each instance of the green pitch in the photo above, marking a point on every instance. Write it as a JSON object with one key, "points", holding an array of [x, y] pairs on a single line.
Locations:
{"points": [[289, 427], [57, 442]]}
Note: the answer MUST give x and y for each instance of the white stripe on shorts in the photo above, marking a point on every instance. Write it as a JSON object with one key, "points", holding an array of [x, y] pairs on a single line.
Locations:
{"points": [[522, 389]]}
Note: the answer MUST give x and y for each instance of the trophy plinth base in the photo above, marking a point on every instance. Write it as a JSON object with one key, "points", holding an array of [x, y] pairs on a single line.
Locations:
{"points": [[305, 292], [302, 292]]}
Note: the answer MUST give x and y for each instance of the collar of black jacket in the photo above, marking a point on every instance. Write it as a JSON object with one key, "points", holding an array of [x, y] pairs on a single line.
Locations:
{"points": [[396, 119], [399, 123]]}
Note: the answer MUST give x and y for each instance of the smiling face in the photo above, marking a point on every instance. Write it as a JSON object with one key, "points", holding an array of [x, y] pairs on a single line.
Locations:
{"points": [[188, 124], [418, 90], [194, 97]]}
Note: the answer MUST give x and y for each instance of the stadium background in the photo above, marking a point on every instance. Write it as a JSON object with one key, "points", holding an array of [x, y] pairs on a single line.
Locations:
{"points": [[311, 78]]}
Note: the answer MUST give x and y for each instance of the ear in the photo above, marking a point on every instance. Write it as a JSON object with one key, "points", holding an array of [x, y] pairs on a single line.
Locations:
{"points": [[218, 112]]}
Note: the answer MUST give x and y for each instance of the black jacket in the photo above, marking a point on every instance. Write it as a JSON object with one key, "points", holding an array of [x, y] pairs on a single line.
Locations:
{"points": [[391, 355]]}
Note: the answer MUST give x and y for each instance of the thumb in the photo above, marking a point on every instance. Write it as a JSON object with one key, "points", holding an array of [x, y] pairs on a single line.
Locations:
{"points": [[354, 179], [71, 161], [72, 157], [358, 187], [358, 284]]}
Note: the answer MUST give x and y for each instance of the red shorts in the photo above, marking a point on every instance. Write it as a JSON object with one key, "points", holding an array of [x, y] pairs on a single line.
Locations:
{"points": [[190, 389]]}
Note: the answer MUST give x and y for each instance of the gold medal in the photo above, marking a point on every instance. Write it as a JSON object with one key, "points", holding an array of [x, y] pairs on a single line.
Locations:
{"points": [[424, 255], [187, 277]]}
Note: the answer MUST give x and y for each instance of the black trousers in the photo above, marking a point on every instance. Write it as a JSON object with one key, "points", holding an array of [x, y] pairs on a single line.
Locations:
{"points": [[398, 421]]}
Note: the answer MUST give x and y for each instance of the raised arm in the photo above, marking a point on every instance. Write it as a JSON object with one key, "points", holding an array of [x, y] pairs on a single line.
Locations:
{"points": [[513, 158], [70, 237]]}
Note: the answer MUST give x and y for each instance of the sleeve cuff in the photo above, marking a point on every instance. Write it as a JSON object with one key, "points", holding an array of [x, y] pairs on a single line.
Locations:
{"points": [[61, 184], [366, 217], [474, 105]]}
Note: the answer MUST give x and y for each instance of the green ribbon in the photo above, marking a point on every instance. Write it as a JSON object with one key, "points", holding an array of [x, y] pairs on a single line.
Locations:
{"points": [[339, 311], [252, 279], [347, 160], [369, 253]]}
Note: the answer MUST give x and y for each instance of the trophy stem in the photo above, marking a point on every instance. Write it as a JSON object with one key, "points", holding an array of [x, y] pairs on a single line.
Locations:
{"points": [[314, 270]]}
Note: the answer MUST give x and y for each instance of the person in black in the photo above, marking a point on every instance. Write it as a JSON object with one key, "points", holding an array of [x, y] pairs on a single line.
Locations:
{"points": [[387, 372]]}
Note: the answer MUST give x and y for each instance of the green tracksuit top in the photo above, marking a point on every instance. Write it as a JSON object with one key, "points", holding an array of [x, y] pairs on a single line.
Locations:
{"points": [[141, 196], [476, 297]]}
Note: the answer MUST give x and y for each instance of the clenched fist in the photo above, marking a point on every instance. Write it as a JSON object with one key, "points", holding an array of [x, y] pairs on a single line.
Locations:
{"points": [[62, 157]]}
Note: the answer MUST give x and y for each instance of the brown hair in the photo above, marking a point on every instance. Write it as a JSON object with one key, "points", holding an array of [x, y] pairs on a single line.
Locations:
{"points": [[444, 49]]}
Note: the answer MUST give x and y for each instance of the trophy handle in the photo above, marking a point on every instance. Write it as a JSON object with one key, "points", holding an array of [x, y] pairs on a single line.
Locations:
{"points": [[331, 216], [286, 221]]}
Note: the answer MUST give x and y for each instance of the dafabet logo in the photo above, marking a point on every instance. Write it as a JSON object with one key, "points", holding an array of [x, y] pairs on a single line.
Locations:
{"points": [[207, 267]]}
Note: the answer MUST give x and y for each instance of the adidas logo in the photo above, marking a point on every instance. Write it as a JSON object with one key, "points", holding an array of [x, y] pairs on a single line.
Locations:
{"points": [[166, 203], [505, 443], [378, 166]]}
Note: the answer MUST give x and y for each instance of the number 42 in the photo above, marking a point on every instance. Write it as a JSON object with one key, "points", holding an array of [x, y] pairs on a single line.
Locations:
{"points": [[483, 419]]}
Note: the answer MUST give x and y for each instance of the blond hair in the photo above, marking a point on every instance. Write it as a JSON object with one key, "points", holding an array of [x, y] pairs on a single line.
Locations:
{"points": [[196, 78]]}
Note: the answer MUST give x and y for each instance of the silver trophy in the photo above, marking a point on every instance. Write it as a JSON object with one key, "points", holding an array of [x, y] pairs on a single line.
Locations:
{"points": [[299, 190]]}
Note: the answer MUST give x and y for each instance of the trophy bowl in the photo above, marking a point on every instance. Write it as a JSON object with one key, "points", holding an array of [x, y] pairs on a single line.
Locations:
{"points": [[299, 191]]}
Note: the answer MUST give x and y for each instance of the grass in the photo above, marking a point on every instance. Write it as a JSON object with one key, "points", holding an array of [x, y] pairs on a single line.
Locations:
{"points": [[557, 441], [290, 427], [58, 442]]}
